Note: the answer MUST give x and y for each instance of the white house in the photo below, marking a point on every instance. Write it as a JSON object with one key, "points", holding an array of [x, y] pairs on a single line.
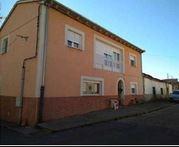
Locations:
{"points": [[155, 88]]}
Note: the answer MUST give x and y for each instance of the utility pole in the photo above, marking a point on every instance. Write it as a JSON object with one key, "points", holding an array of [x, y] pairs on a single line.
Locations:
{"points": [[167, 76]]}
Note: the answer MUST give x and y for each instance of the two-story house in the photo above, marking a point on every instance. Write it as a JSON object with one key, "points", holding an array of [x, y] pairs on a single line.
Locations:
{"points": [[56, 63]]}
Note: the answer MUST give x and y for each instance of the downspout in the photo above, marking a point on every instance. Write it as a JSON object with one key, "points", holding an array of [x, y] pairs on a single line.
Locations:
{"points": [[44, 56], [24, 69], [143, 81]]}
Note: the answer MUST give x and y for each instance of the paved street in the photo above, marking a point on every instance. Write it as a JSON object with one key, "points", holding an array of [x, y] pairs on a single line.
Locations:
{"points": [[160, 127]]}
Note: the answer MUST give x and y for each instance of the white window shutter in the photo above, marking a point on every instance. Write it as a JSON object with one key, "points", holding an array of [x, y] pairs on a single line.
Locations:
{"points": [[77, 38], [132, 57], [70, 35]]}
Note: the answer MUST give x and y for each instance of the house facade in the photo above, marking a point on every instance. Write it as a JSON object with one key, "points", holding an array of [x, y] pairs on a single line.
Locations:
{"points": [[173, 82], [155, 88], [56, 63]]}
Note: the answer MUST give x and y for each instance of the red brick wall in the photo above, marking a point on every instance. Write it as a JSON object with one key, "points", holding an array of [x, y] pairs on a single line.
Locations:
{"points": [[132, 99], [30, 111], [56, 107], [9, 112], [60, 107]]}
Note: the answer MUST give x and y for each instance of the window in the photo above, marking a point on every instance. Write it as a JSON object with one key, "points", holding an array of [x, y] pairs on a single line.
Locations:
{"points": [[107, 60], [4, 45], [132, 60], [91, 86], [116, 61], [161, 89], [108, 56], [116, 56], [154, 91], [133, 88], [74, 38]]}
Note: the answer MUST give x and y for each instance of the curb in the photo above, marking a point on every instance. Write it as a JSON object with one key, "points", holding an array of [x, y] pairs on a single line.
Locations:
{"points": [[107, 120]]}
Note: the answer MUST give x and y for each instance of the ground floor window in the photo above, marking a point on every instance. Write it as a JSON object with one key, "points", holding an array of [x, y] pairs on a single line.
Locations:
{"points": [[133, 88], [91, 86]]}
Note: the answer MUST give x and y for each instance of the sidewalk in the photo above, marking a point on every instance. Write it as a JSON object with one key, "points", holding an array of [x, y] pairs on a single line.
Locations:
{"points": [[104, 116], [89, 118]]}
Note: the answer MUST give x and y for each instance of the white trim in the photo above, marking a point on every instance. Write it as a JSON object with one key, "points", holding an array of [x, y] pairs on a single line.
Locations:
{"points": [[118, 47], [67, 27], [97, 79], [132, 54], [132, 83], [7, 36]]}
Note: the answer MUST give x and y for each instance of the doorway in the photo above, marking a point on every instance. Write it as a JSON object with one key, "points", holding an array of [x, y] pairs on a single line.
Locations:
{"points": [[121, 90]]}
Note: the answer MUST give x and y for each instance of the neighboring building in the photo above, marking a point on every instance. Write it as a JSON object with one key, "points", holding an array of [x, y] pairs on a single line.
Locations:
{"points": [[155, 88], [174, 82], [56, 63]]}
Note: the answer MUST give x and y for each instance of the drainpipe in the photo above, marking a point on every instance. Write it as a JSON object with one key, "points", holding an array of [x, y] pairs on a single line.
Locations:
{"points": [[24, 69], [143, 82], [41, 67]]}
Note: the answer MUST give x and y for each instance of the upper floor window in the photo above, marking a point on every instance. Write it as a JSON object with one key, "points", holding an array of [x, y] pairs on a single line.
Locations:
{"points": [[74, 38], [133, 88], [132, 60], [116, 56], [107, 60], [108, 56], [116, 60], [4, 45]]}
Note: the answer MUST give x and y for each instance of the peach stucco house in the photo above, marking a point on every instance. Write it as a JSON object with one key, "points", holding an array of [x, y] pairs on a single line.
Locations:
{"points": [[55, 63]]}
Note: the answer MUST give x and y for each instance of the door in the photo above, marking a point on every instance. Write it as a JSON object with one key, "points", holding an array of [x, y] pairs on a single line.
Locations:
{"points": [[121, 90]]}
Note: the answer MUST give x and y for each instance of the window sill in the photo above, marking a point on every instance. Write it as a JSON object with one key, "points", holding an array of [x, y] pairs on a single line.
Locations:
{"points": [[80, 49], [133, 66], [91, 95]]}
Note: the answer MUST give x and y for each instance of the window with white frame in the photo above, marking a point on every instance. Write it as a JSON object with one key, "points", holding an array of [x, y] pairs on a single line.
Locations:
{"points": [[74, 38], [134, 88], [116, 60], [107, 60], [132, 60], [4, 45], [108, 56], [91, 86]]}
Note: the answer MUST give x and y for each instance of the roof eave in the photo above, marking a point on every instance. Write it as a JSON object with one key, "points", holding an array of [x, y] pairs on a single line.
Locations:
{"points": [[78, 17]]}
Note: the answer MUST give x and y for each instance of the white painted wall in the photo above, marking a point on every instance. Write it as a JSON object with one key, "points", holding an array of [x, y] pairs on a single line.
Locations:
{"points": [[149, 83]]}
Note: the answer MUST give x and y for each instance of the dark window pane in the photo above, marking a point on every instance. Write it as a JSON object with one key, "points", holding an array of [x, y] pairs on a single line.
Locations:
{"points": [[76, 45], [69, 43]]}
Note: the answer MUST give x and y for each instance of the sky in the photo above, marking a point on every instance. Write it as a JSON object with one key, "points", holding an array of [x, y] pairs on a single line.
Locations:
{"points": [[152, 25]]}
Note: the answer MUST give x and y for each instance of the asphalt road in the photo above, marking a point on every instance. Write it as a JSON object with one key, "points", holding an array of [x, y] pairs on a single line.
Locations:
{"points": [[157, 128]]}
